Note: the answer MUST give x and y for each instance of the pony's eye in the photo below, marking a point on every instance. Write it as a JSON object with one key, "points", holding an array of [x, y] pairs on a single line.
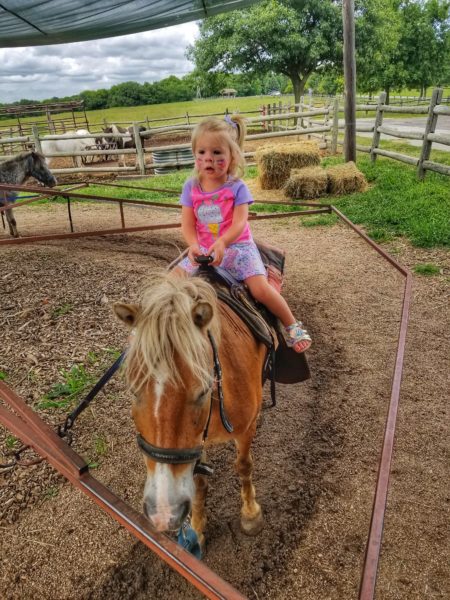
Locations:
{"points": [[203, 395]]}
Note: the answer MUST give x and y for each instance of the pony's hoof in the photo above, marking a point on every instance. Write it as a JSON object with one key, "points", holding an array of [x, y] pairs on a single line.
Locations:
{"points": [[252, 526]]}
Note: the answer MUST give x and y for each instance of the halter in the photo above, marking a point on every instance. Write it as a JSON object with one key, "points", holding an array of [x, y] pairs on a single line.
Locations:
{"points": [[182, 456]]}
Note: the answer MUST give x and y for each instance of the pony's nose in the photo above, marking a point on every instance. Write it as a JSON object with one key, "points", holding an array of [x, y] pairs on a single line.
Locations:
{"points": [[167, 520]]}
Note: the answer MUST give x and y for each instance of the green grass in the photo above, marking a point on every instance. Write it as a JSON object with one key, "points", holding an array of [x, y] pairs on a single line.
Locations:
{"points": [[11, 442], [76, 381], [319, 220], [62, 310], [398, 204], [3, 375], [62, 394], [427, 269]]}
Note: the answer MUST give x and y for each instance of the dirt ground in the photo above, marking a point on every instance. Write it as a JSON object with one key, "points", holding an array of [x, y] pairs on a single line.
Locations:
{"points": [[316, 453]]}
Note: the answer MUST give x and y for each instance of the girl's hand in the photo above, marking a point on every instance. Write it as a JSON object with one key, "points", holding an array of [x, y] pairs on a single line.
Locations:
{"points": [[194, 250], [218, 250]]}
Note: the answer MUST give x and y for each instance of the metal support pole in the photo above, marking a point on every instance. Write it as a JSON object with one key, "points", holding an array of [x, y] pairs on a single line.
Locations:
{"points": [[348, 9]]}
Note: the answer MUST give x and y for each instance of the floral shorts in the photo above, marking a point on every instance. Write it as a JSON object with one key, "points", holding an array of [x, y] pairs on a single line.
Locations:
{"points": [[240, 260]]}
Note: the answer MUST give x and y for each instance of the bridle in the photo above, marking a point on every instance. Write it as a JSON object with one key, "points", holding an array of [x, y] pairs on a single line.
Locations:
{"points": [[182, 456]]}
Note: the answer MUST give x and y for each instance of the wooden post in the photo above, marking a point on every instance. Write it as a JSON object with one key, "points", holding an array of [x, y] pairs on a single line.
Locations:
{"points": [[378, 123], [430, 127], [348, 9], [309, 119], [37, 141], [300, 109], [335, 129], [263, 114], [139, 150], [280, 111], [187, 118]]}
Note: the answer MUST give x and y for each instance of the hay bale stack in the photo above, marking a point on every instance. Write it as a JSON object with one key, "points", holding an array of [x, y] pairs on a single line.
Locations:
{"points": [[276, 161], [345, 179], [306, 183]]}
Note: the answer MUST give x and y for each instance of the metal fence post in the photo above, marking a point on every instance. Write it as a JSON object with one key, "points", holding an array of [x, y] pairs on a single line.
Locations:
{"points": [[139, 149], [378, 123], [429, 128]]}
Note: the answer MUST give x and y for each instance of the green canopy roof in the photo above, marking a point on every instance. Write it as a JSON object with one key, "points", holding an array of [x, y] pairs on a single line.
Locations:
{"points": [[38, 22]]}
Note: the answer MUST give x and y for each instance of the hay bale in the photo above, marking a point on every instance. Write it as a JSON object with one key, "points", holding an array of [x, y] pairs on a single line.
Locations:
{"points": [[306, 183], [276, 161], [345, 179]]}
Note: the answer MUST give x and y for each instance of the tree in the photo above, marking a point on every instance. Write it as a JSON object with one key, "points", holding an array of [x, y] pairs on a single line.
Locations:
{"points": [[95, 99], [289, 38], [378, 26], [126, 94], [425, 42]]}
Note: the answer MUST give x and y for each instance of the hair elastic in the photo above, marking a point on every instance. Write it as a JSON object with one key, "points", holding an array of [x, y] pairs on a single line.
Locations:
{"points": [[230, 121]]}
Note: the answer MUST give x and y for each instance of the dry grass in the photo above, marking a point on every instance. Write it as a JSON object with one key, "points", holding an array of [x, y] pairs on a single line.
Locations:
{"points": [[306, 183], [345, 179], [275, 162]]}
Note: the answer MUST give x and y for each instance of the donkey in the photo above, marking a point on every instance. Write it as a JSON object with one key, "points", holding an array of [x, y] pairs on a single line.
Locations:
{"points": [[122, 141], [15, 171]]}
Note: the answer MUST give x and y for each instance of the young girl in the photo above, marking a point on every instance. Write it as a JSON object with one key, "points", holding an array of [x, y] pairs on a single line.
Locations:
{"points": [[214, 218]]}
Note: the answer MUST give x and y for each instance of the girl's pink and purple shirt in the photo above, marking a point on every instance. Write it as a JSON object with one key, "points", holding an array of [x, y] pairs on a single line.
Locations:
{"points": [[214, 210]]}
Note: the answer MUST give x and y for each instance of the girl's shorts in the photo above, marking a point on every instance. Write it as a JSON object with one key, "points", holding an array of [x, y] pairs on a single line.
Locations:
{"points": [[240, 260]]}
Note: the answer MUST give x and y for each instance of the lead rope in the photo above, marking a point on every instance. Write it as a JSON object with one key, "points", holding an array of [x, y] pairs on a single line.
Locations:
{"points": [[64, 430]]}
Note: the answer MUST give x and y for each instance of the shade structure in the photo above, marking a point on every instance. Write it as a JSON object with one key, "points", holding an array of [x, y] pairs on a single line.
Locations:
{"points": [[39, 23]]}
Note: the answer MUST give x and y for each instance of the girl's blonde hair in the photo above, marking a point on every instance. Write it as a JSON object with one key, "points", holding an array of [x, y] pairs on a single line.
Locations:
{"points": [[233, 130]]}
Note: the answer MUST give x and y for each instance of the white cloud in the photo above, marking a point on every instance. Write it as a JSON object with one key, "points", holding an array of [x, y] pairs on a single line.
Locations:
{"points": [[41, 72]]}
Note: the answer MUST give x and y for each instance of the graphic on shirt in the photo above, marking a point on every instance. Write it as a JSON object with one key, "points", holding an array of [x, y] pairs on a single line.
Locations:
{"points": [[210, 214]]}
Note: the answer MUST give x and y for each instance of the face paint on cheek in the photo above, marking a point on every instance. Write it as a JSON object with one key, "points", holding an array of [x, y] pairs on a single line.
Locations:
{"points": [[199, 162], [220, 162]]}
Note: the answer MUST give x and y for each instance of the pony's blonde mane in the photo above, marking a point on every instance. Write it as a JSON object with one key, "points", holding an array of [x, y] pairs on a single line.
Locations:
{"points": [[165, 328]]}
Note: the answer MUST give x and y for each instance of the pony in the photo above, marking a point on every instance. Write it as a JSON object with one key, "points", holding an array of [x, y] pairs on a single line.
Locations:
{"points": [[183, 338], [66, 145], [120, 140], [15, 171]]}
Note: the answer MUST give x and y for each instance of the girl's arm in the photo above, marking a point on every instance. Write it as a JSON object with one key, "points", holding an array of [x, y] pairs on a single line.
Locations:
{"points": [[189, 231], [240, 218]]}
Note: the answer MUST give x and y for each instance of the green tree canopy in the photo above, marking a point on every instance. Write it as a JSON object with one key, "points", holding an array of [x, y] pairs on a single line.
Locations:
{"points": [[425, 42], [289, 38]]}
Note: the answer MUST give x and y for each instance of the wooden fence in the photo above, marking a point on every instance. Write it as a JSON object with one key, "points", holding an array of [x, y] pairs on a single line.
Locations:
{"points": [[273, 121], [423, 163]]}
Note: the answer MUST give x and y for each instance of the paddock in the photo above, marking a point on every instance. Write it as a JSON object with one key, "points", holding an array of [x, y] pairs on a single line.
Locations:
{"points": [[316, 453]]}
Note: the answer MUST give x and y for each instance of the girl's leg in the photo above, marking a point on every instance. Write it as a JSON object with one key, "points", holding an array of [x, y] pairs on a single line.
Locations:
{"points": [[262, 291]]}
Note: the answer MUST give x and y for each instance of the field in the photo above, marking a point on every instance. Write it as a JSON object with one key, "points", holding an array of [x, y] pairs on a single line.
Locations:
{"points": [[171, 110], [316, 453]]}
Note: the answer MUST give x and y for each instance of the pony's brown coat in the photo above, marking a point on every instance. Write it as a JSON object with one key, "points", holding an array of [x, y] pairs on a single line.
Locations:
{"points": [[177, 417]]}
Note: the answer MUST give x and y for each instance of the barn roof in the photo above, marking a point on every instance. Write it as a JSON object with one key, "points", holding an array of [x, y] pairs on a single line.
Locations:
{"points": [[38, 23]]}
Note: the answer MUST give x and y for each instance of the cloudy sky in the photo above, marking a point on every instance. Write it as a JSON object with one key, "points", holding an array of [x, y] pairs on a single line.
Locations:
{"points": [[41, 72]]}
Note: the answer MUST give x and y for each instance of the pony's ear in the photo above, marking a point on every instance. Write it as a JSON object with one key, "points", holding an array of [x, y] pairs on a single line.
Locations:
{"points": [[202, 313], [128, 313]]}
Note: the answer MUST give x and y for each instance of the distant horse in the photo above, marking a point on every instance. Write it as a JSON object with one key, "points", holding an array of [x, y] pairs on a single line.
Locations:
{"points": [[122, 141], [74, 146], [173, 370], [16, 171]]}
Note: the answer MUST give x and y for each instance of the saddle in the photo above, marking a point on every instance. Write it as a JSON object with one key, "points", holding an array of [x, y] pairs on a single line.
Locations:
{"points": [[283, 364]]}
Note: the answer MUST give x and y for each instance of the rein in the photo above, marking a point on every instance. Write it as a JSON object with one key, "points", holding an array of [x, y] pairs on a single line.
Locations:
{"points": [[182, 456]]}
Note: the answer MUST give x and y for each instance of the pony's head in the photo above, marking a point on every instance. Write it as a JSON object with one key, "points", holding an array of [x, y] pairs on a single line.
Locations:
{"points": [[169, 368], [37, 167]]}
